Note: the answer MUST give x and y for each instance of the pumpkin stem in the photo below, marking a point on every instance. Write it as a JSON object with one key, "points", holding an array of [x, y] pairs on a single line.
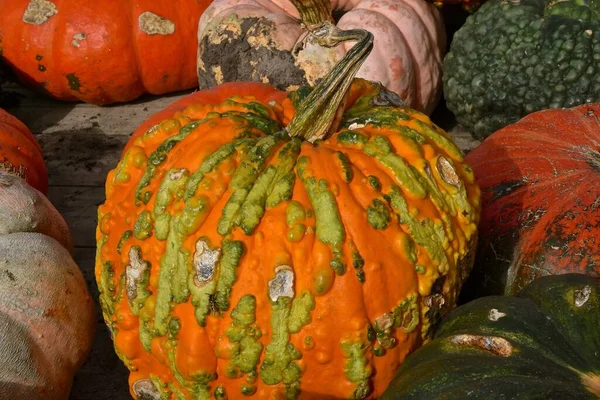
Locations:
{"points": [[320, 112], [313, 12]]}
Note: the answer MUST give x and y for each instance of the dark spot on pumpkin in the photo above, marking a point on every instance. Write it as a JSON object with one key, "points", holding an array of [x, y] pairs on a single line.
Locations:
{"points": [[505, 188], [386, 98], [436, 302], [495, 345], [337, 14], [233, 59], [10, 275], [592, 158], [74, 82], [39, 57], [145, 390], [41, 68]]}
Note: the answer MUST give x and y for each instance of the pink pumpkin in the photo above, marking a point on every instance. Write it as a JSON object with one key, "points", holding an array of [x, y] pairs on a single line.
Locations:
{"points": [[262, 40]]}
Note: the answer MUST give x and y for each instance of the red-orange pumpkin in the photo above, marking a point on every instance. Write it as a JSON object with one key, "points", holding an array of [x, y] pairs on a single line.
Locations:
{"points": [[237, 259], [540, 200], [101, 51], [20, 153]]}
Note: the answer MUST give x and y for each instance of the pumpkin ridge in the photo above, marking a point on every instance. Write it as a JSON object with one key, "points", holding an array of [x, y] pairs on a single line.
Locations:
{"points": [[274, 174], [553, 214], [251, 168], [213, 161], [158, 156]]}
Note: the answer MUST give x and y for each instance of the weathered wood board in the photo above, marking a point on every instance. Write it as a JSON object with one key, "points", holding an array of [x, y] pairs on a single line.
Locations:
{"points": [[81, 144]]}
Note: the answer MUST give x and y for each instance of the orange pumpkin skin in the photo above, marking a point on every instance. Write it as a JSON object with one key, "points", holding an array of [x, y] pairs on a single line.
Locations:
{"points": [[101, 52], [539, 200], [20, 153], [323, 293]]}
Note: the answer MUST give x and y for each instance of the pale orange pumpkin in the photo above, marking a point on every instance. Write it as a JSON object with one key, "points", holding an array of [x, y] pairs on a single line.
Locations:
{"points": [[46, 312], [253, 40]]}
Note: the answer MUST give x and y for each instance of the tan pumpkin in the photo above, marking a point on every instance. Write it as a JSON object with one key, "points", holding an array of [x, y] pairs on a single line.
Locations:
{"points": [[46, 312], [263, 40]]}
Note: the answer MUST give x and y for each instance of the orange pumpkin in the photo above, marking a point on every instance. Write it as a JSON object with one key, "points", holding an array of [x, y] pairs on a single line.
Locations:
{"points": [[237, 258], [20, 153], [101, 51], [47, 317]]}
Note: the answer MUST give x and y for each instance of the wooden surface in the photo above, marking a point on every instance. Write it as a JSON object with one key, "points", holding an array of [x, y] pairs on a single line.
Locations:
{"points": [[81, 143]]}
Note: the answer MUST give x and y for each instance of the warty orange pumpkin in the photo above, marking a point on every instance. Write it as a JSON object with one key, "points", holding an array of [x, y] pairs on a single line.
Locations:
{"points": [[101, 52], [255, 40], [237, 258], [20, 153], [47, 317]]}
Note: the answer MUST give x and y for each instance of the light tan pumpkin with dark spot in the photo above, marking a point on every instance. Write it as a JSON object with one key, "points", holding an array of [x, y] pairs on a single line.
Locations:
{"points": [[253, 40], [46, 313]]}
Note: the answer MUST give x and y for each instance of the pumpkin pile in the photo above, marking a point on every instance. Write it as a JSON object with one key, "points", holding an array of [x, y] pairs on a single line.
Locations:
{"points": [[301, 227], [46, 312]]}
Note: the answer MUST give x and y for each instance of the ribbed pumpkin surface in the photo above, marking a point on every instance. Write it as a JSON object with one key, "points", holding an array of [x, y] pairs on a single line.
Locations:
{"points": [[233, 259], [540, 208], [20, 153], [101, 52]]}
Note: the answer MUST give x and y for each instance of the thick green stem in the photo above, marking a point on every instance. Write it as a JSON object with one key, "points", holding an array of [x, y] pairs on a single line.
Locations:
{"points": [[318, 114], [313, 12]]}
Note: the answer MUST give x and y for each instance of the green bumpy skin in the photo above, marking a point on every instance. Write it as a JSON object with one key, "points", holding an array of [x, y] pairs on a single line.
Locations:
{"points": [[542, 344], [512, 58]]}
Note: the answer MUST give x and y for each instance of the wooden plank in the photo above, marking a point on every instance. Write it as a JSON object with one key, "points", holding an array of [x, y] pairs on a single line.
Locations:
{"points": [[463, 139], [103, 375], [45, 115], [80, 158], [79, 207]]}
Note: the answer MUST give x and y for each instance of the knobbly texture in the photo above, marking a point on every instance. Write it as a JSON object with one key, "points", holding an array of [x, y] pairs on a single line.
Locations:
{"points": [[545, 346], [540, 205], [231, 262], [103, 52], [512, 58], [24, 209], [46, 317], [246, 41]]}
